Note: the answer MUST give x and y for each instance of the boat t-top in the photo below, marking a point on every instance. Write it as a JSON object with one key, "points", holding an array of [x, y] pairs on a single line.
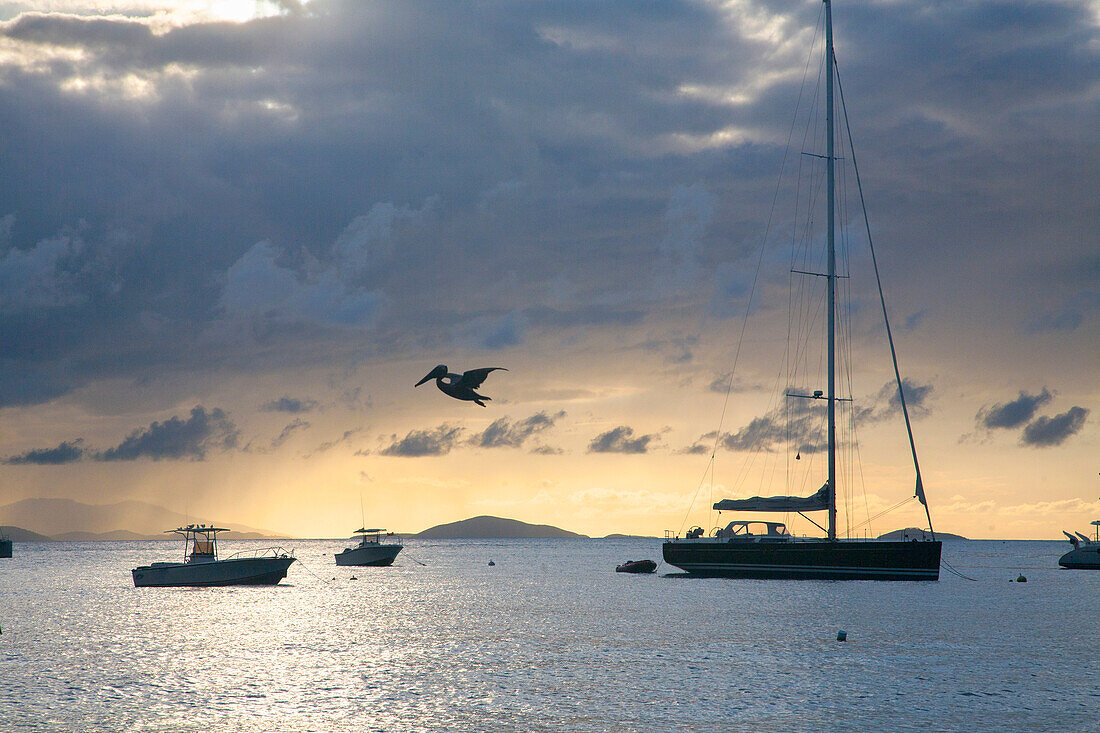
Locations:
{"points": [[370, 550], [202, 566]]}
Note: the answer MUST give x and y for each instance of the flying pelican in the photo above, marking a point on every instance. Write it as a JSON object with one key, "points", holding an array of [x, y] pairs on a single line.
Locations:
{"points": [[460, 386]]}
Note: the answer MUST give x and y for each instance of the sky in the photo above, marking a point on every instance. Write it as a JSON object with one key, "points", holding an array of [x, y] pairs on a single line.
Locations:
{"points": [[234, 235]]}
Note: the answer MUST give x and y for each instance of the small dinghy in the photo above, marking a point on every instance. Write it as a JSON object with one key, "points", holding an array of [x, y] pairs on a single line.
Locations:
{"points": [[636, 566]]}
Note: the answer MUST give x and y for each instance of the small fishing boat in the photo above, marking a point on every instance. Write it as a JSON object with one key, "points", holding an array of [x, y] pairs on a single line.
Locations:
{"points": [[370, 551], [636, 566], [1085, 554], [201, 565]]}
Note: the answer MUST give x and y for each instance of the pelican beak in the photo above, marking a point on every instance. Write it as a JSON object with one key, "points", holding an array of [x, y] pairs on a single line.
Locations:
{"points": [[439, 371]]}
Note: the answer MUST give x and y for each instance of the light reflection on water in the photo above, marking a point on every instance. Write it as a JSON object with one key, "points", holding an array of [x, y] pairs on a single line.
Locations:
{"points": [[549, 639]]}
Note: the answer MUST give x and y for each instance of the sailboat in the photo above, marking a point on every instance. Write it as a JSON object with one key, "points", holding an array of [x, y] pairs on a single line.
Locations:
{"points": [[747, 548]]}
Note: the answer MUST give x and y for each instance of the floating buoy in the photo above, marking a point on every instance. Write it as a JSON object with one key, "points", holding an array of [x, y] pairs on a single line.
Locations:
{"points": [[1021, 579], [491, 563], [354, 578], [842, 635]]}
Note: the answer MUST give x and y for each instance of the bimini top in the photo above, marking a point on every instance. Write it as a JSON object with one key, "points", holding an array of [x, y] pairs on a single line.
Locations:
{"points": [[196, 528], [368, 531], [818, 502]]}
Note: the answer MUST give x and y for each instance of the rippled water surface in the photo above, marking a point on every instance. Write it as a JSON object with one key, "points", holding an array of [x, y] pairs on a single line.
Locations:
{"points": [[549, 639]]}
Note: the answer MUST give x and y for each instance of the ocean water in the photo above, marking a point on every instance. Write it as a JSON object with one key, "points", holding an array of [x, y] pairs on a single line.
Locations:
{"points": [[549, 639]]}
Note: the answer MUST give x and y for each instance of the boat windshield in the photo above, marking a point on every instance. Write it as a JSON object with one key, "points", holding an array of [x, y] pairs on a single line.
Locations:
{"points": [[754, 529], [203, 547]]}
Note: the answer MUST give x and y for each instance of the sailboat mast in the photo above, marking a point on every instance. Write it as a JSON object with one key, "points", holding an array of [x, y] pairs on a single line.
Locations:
{"points": [[831, 279]]}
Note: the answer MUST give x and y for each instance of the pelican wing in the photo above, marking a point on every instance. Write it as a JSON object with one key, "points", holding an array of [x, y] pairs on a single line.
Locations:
{"points": [[473, 378]]}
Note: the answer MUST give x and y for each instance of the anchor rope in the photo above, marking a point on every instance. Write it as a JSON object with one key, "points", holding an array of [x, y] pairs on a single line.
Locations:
{"points": [[947, 566]]}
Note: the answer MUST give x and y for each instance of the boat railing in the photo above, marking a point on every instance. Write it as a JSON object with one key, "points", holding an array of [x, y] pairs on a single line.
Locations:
{"points": [[260, 552]]}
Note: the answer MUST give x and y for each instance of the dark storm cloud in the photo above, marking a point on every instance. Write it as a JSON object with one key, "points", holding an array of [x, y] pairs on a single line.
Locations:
{"points": [[488, 173], [801, 422], [290, 404], [505, 433], [319, 164], [1044, 432], [1069, 314], [433, 442], [176, 438], [803, 428], [1015, 413], [887, 403], [621, 440], [291, 428], [59, 29], [330, 444], [66, 452], [723, 383]]}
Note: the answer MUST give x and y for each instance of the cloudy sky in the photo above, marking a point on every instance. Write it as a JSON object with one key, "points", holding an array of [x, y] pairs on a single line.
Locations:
{"points": [[233, 235]]}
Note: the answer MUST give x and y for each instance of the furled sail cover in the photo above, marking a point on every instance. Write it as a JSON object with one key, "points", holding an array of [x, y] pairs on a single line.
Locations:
{"points": [[817, 502]]}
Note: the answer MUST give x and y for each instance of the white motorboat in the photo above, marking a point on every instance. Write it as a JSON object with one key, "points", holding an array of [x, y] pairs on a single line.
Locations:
{"points": [[1085, 554], [202, 566], [371, 550]]}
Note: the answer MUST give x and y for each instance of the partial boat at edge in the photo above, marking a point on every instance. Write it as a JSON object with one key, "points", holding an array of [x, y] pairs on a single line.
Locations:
{"points": [[1085, 554]]}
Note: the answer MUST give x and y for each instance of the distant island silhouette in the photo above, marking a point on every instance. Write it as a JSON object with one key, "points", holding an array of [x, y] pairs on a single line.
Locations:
{"points": [[496, 528], [18, 534], [914, 533], [66, 519]]}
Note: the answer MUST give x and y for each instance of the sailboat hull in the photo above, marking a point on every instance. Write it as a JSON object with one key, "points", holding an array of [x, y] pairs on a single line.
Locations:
{"points": [[806, 560]]}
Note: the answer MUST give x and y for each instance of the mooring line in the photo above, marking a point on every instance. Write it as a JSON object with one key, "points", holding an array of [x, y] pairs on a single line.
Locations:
{"points": [[315, 575]]}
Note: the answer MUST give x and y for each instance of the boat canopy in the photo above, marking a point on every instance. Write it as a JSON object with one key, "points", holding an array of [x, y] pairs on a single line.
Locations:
{"points": [[818, 502], [193, 528]]}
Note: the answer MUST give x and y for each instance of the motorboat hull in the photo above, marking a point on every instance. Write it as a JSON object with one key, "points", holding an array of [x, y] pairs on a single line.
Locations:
{"points": [[1082, 558], [233, 571], [5, 548], [373, 556], [806, 559]]}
